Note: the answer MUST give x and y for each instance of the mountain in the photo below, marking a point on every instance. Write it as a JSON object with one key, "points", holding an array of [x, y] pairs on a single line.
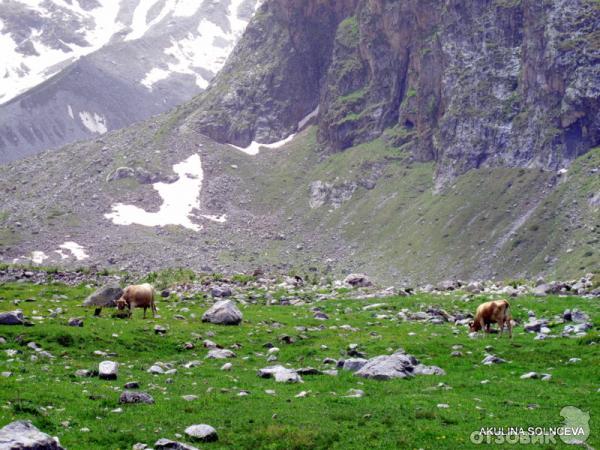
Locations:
{"points": [[414, 141], [76, 69]]}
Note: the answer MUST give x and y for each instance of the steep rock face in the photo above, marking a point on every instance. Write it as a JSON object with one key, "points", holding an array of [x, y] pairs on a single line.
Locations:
{"points": [[273, 77], [484, 84]]}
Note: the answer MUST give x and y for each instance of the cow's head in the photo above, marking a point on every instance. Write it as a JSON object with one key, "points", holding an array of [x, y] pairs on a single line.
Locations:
{"points": [[121, 303], [474, 326]]}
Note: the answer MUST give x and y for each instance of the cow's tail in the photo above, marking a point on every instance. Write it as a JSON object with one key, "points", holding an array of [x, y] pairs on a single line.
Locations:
{"points": [[153, 304]]}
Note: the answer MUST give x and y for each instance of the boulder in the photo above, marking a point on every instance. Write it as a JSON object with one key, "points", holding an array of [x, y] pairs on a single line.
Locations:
{"points": [[202, 432], [12, 318], [397, 365], [358, 280], [135, 397], [224, 312], [107, 370], [105, 297], [22, 435]]}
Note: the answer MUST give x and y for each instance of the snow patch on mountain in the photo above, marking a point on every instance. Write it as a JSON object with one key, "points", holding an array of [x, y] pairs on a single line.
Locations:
{"points": [[254, 147], [207, 48], [180, 199], [78, 251], [26, 62], [93, 122]]}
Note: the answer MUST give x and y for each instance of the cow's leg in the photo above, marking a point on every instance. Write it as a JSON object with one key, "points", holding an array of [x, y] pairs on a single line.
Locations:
{"points": [[153, 309], [500, 326], [97, 312], [509, 323], [145, 308]]}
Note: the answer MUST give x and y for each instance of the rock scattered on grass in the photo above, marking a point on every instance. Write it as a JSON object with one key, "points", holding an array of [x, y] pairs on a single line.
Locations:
{"points": [[202, 432], [224, 312], [136, 397], [22, 435], [12, 318], [107, 370]]}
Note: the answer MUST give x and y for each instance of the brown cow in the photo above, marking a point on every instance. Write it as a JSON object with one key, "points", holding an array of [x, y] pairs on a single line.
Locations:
{"points": [[495, 311], [137, 296]]}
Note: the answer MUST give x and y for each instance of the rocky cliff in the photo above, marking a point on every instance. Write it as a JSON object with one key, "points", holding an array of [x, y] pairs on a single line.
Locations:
{"points": [[491, 83]]}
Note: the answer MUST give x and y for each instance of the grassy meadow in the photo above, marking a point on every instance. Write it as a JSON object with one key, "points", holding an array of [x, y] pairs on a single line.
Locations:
{"points": [[429, 412]]}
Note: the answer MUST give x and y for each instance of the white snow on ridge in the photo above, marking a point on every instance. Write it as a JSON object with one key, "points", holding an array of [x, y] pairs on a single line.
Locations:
{"points": [[22, 72], [70, 111], [208, 48], [93, 122], [180, 199], [78, 251], [139, 22], [255, 147], [38, 257]]}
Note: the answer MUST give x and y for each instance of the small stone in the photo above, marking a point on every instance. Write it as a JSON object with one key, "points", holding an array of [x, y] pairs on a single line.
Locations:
{"points": [[135, 397], [492, 359], [220, 354], [530, 375], [132, 385], [75, 322], [158, 329], [167, 444], [355, 393], [189, 398], [443, 405], [226, 366], [82, 373], [156, 370]]}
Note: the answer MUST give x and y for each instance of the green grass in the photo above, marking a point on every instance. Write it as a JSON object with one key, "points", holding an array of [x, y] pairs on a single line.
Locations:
{"points": [[393, 414]]}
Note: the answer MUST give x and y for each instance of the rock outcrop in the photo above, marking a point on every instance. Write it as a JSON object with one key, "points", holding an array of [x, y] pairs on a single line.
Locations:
{"points": [[484, 84]]}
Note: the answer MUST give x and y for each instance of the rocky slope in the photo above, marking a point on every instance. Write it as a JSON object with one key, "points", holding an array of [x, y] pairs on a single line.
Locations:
{"points": [[379, 183], [76, 70]]}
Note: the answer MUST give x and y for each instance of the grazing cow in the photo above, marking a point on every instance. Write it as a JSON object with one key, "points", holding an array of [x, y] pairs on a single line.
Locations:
{"points": [[495, 311], [137, 296]]}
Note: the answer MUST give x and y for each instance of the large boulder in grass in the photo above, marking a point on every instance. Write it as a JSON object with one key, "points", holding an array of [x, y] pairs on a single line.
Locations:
{"points": [[224, 312], [105, 297], [22, 435], [12, 318], [397, 365]]}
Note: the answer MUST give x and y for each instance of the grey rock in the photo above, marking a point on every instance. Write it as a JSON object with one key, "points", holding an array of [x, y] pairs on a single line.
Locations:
{"points": [[12, 318], [105, 297], [22, 435], [280, 374], [221, 291], [492, 359], [107, 370], [354, 364], [167, 444], [397, 365], [75, 322], [533, 326], [136, 397], [82, 373], [224, 312], [220, 354], [132, 385], [358, 280], [202, 432]]}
